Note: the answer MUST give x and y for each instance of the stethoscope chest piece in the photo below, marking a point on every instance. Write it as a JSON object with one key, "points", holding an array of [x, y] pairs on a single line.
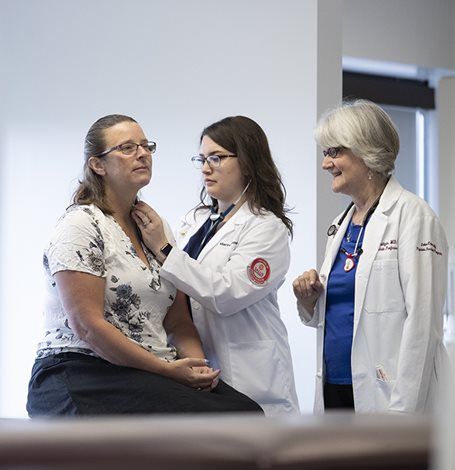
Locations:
{"points": [[332, 230], [215, 216]]}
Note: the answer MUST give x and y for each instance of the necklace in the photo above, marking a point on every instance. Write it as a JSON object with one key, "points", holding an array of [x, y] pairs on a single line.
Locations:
{"points": [[349, 264]]}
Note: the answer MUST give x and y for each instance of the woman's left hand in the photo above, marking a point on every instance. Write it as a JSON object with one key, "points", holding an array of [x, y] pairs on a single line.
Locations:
{"points": [[150, 225]]}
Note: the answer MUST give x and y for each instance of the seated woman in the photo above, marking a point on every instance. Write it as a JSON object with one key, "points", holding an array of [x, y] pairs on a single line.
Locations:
{"points": [[119, 338]]}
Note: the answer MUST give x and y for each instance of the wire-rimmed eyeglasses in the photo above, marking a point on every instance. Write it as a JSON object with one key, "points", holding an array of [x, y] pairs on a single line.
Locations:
{"points": [[130, 148], [214, 161], [332, 152]]}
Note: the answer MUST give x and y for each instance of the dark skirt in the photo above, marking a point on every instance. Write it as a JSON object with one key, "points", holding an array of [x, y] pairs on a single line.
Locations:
{"points": [[73, 384], [338, 397]]}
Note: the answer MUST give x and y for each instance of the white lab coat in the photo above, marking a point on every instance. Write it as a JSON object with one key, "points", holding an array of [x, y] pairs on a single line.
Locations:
{"points": [[397, 351], [237, 315]]}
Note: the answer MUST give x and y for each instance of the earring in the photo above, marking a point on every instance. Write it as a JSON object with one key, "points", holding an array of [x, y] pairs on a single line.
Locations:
{"points": [[370, 175]]}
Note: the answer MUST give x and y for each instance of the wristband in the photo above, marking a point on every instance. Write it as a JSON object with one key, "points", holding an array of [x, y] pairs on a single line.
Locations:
{"points": [[166, 249]]}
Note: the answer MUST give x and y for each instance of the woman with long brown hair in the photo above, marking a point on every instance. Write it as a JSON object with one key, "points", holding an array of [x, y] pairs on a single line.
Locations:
{"points": [[233, 257]]}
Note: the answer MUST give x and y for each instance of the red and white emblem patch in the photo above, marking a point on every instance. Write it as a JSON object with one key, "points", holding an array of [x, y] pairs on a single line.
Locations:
{"points": [[259, 271]]}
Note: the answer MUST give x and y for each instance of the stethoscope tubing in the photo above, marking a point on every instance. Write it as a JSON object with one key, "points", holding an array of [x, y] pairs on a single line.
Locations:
{"points": [[333, 229]]}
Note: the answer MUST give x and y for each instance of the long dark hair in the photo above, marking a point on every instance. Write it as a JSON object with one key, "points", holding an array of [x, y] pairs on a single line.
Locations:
{"points": [[91, 186], [245, 138]]}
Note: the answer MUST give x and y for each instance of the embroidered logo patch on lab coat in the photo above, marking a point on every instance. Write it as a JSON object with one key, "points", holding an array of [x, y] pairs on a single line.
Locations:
{"points": [[259, 271]]}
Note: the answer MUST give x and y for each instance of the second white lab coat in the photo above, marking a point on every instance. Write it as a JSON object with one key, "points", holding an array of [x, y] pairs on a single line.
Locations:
{"points": [[397, 351], [236, 311]]}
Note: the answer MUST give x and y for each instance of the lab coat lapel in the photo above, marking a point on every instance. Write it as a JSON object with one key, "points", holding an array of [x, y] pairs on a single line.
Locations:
{"points": [[336, 242], [332, 248], [374, 234], [190, 225]]}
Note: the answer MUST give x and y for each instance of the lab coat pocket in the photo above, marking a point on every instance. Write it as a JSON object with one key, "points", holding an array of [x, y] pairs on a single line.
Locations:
{"points": [[258, 372], [384, 293], [383, 393]]}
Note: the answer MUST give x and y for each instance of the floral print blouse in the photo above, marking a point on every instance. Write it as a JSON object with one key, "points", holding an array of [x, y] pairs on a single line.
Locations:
{"points": [[136, 298]]}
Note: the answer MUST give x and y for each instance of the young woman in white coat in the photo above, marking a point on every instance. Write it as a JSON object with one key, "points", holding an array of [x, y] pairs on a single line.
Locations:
{"points": [[233, 257], [377, 302]]}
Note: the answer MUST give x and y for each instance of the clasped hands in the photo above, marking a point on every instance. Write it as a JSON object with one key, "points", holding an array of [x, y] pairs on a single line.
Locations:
{"points": [[194, 372]]}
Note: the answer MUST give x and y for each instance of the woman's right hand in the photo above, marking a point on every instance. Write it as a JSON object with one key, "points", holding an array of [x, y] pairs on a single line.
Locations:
{"points": [[150, 225], [192, 372], [308, 288], [204, 370]]}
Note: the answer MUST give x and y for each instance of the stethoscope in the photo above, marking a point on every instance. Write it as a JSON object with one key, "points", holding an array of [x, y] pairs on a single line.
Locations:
{"points": [[217, 218], [333, 229]]}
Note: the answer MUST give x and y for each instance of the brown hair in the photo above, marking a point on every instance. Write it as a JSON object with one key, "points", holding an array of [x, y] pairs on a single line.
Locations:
{"points": [[91, 186], [245, 138]]}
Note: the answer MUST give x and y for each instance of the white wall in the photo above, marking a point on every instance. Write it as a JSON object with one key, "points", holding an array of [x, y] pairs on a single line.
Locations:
{"points": [[446, 106], [418, 32], [176, 66]]}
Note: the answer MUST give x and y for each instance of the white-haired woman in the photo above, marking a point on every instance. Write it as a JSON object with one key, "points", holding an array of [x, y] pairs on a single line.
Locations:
{"points": [[377, 301]]}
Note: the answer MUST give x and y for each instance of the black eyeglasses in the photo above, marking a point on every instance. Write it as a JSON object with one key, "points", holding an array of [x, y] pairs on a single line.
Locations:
{"points": [[214, 161], [130, 148], [332, 152]]}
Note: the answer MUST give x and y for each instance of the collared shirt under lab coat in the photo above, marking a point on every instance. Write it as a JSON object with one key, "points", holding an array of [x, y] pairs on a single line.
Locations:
{"points": [[239, 319], [397, 348]]}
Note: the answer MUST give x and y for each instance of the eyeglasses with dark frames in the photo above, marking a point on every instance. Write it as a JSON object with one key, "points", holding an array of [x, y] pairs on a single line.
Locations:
{"points": [[130, 148], [214, 161], [332, 152]]}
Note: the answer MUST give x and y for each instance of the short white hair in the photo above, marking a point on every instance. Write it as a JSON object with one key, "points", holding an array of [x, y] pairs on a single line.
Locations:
{"points": [[364, 128]]}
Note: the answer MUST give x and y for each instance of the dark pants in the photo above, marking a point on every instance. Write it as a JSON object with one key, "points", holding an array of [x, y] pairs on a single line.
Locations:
{"points": [[77, 384], [338, 396]]}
